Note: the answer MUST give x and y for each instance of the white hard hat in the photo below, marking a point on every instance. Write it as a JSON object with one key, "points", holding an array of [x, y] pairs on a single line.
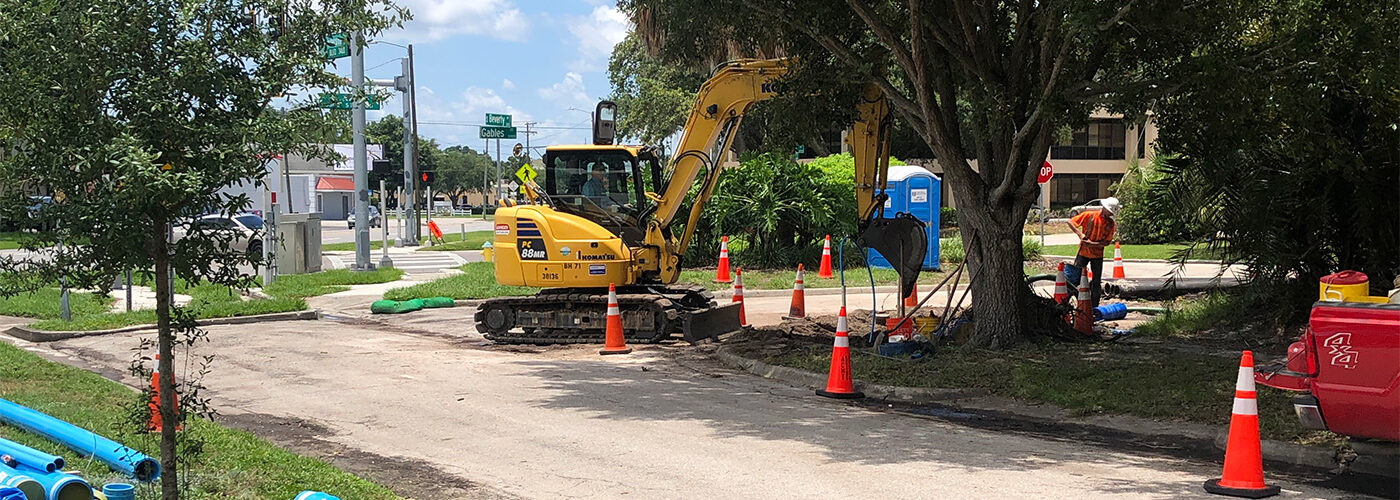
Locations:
{"points": [[1111, 205]]}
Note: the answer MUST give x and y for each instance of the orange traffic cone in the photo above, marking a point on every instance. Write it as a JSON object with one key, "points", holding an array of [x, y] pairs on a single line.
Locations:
{"points": [[799, 300], [913, 298], [1083, 309], [1061, 291], [722, 275], [739, 295], [824, 271], [1118, 273], [614, 342], [838, 378], [154, 421], [1244, 464]]}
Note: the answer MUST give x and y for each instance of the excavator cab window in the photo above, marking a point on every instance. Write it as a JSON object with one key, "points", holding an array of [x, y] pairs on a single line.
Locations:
{"points": [[599, 185]]}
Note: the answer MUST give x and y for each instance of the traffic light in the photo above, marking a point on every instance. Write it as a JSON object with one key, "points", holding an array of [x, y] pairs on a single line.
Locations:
{"points": [[426, 177]]}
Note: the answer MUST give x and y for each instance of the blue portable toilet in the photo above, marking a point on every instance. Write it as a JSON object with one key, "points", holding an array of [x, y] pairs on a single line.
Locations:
{"points": [[913, 190]]}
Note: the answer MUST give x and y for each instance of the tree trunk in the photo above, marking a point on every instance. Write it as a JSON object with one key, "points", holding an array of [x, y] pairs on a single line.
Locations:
{"points": [[995, 263], [991, 236], [169, 484]]}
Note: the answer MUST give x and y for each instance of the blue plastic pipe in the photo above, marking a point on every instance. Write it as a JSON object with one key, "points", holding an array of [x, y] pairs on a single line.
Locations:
{"points": [[11, 478], [119, 491], [60, 486], [30, 456], [1110, 312], [314, 495], [85, 442], [8, 493]]}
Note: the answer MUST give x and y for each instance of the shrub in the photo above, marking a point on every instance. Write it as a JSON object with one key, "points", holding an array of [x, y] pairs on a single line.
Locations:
{"points": [[1140, 221], [951, 249], [777, 211], [947, 217]]}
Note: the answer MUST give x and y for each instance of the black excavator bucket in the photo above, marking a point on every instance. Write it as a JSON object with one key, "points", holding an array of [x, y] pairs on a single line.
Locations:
{"points": [[902, 240]]}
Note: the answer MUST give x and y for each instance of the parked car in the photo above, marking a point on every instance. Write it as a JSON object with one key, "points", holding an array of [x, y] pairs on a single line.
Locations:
{"points": [[1346, 366], [247, 228], [375, 220], [1091, 205]]}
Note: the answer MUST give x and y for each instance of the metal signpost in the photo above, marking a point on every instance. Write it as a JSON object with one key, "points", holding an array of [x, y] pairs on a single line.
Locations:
{"points": [[384, 261], [1047, 171]]}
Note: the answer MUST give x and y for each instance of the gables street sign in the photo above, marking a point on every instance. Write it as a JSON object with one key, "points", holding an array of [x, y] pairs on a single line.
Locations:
{"points": [[490, 132]]}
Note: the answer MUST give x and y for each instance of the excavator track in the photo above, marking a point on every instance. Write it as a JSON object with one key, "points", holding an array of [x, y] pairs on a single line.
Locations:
{"points": [[650, 314]]}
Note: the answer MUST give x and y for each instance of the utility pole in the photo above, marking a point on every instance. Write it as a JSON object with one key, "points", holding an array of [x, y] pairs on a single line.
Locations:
{"points": [[357, 80], [497, 165]]}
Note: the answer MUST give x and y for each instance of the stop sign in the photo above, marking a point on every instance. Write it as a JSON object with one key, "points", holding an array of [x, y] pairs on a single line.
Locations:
{"points": [[1046, 172]]}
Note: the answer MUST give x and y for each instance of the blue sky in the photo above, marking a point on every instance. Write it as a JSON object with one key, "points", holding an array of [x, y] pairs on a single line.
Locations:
{"points": [[531, 59]]}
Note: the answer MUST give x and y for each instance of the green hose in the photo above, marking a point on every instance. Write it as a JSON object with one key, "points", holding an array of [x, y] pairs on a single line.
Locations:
{"points": [[1149, 310]]}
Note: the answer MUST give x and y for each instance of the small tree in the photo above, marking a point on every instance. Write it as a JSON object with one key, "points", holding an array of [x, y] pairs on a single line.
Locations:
{"points": [[134, 113]]}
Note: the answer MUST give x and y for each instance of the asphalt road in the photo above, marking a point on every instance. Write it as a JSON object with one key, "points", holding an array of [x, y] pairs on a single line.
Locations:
{"points": [[338, 231], [421, 403]]}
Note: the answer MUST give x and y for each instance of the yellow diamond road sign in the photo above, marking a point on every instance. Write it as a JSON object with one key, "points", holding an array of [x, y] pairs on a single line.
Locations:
{"points": [[526, 174]]}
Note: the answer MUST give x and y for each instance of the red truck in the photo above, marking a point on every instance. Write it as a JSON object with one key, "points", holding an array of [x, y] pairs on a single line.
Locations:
{"points": [[1347, 364]]}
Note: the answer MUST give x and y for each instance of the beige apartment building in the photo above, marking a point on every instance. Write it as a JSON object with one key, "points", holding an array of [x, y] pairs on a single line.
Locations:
{"points": [[1088, 163]]}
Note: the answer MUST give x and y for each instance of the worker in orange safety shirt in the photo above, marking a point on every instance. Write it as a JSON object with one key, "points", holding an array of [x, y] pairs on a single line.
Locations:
{"points": [[1095, 231]]}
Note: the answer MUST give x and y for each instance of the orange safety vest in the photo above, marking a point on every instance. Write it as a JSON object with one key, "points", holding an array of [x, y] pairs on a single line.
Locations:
{"points": [[1095, 227]]}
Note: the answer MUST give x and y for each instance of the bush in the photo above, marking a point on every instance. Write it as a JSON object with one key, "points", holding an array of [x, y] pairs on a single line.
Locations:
{"points": [[776, 212], [947, 217], [951, 249], [1140, 221]]}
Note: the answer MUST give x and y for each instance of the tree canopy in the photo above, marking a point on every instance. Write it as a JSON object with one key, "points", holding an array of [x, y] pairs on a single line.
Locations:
{"points": [[983, 81], [133, 114]]}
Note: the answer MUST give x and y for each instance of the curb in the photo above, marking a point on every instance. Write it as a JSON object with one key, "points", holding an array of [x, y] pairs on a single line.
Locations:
{"points": [[977, 399], [836, 290], [872, 391], [32, 335]]}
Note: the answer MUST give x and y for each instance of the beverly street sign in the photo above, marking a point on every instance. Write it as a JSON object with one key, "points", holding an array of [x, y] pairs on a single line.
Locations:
{"points": [[496, 120], [489, 132], [337, 46]]}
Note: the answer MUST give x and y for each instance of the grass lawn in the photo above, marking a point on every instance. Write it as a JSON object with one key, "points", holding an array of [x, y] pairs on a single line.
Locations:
{"points": [[233, 465], [9, 240], [453, 241], [208, 300], [769, 279], [325, 282], [477, 281], [1162, 251], [1105, 378]]}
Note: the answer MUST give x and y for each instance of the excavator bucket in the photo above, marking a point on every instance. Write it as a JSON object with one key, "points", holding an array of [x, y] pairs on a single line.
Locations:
{"points": [[903, 241]]}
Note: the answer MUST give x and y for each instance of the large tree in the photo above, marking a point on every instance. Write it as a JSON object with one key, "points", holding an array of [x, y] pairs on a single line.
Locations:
{"points": [[983, 84], [135, 113], [1289, 161]]}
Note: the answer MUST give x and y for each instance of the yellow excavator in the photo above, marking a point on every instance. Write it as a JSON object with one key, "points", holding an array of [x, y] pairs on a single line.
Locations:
{"points": [[604, 214]]}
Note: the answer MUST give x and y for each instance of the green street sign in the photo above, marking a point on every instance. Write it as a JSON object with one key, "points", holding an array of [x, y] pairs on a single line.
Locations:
{"points": [[496, 120], [489, 132], [338, 100], [337, 46]]}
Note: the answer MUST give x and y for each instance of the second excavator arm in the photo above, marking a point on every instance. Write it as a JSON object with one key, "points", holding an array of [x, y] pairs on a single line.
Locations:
{"points": [[720, 106]]}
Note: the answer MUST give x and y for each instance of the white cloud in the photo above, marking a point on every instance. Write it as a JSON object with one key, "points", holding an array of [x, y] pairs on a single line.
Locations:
{"points": [[438, 19], [597, 33], [507, 84], [568, 92]]}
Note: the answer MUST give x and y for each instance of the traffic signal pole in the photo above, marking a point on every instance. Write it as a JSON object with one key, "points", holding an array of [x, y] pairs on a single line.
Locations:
{"points": [[410, 147], [357, 80]]}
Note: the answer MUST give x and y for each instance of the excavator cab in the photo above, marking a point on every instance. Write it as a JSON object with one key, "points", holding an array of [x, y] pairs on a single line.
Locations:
{"points": [[607, 185]]}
